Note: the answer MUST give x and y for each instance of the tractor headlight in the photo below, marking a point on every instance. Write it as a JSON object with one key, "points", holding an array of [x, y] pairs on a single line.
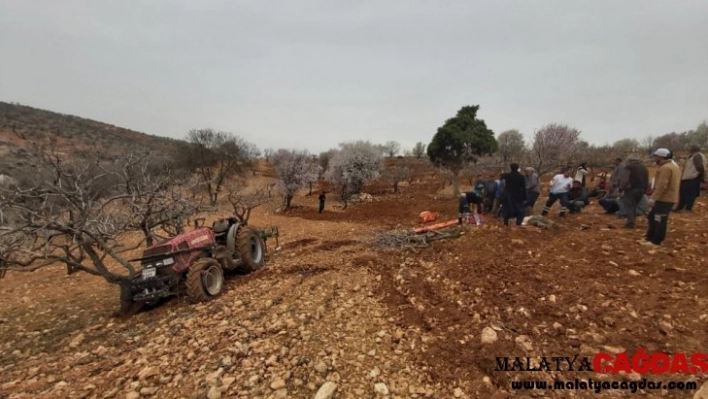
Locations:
{"points": [[168, 261]]}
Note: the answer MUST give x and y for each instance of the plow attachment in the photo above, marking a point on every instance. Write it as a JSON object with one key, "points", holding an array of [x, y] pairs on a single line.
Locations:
{"points": [[270, 232]]}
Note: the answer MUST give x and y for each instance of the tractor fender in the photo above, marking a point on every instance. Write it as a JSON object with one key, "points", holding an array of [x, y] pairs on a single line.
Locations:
{"points": [[231, 238]]}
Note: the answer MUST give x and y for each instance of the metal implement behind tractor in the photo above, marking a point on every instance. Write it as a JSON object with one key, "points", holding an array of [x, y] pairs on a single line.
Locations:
{"points": [[194, 263]]}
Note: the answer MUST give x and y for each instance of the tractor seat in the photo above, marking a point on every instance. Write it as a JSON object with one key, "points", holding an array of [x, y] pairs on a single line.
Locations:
{"points": [[220, 226]]}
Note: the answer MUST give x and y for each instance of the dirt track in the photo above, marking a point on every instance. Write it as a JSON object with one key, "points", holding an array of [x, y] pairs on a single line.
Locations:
{"points": [[330, 306]]}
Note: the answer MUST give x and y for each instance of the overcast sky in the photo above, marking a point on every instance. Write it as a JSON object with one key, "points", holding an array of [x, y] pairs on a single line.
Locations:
{"points": [[277, 71]]}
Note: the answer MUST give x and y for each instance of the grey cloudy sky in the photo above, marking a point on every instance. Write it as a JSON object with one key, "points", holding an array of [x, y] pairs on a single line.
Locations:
{"points": [[277, 71]]}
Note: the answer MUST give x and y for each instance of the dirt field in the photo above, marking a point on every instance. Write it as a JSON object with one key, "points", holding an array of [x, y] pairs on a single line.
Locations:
{"points": [[330, 306]]}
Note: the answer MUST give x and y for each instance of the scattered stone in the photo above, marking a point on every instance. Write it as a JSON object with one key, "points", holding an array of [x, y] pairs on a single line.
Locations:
{"points": [[148, 391], [381, 388], [613, 349], [278, 384], [148, 372], [458, 393], [78, 340], [326, 391], [214, 393], [489, 336], [321, 367], [524, 342]]}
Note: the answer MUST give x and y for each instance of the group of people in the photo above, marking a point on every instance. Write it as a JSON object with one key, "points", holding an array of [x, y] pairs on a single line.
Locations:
{"points": [[515, 194], [629, 193]]}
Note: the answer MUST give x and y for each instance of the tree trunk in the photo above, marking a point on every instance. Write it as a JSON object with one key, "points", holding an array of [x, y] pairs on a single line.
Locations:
{"points": [[148, 237], [395, 187], [288, 201], [455, 184]]}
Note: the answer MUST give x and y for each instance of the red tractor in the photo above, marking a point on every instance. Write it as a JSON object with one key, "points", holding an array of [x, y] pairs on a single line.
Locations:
{"points": [[194, 263]]}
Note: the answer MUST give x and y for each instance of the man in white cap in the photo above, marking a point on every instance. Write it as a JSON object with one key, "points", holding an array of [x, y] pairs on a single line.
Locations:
{"points": [[666, 193]]}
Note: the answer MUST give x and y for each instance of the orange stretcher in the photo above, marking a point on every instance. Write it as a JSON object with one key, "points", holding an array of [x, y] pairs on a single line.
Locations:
{"points": [[436, 226]]}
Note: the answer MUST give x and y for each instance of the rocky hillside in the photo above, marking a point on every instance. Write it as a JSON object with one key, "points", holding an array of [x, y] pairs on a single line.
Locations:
{"points": [[70, 134]]}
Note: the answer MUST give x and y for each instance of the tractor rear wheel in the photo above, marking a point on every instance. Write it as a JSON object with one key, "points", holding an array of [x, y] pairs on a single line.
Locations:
{"points": [[205, 280], [251, 249]]}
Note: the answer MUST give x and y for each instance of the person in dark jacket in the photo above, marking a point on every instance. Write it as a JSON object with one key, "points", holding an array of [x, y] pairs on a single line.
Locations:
{"points": [[514, 195], [577, 197], [633, 184], [322, 201]]}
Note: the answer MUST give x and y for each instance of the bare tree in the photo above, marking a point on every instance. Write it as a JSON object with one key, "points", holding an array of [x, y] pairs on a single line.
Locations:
{"points": [[700, 135], [511, 145], [244, 199], [267, 153], [553, 145], [158, 199], [251, 154], [419, 150], [215, 157], [295, 170], [647, 144], [324, 158], [626, 146], [392, 148], [448, 176], [74, 213], [396, 175], [470, 175], [672, 141]]}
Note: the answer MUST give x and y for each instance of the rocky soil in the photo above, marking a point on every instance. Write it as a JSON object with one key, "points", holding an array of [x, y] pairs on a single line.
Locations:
{"points": [[332, 316]]}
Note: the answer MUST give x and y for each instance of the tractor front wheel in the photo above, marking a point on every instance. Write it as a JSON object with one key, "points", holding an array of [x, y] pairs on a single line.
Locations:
{"points": [[251, 249], [205, 280]]}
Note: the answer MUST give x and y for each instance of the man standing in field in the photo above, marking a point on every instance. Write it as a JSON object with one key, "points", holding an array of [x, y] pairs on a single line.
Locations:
{"points": [[322, 199], [665, 195], [693, 174], [581, 172], [616, 173], [533, 189], [560, 186], [633, 184], [514, 195]]}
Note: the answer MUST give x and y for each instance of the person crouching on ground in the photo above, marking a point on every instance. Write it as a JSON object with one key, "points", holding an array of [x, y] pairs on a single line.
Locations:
{"points": [[467, 198], [666, 193], [514, 195], [577, 197], [601, 189], [633, 183], [533, 189], [560, 186]]}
